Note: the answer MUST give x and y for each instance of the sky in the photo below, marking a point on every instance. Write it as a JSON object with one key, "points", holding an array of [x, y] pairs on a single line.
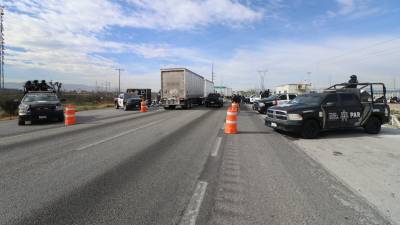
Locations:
{"points": [[317, 41]]}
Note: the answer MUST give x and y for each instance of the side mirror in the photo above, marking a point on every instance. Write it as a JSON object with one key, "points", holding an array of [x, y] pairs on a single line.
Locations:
{"points": [[330, 104], [63, 100]]}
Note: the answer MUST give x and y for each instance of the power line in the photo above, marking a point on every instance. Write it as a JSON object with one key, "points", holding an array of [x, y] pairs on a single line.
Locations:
{"points": [[357, 51]]}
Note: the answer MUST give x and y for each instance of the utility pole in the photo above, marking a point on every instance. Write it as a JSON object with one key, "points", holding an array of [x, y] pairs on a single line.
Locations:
{"points": [[262, 78], [1, 48], [212, 72], [119, 79]]}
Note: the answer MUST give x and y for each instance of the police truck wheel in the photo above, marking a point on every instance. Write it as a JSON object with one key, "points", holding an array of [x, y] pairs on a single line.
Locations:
{"points": [[310, 129], [21, 121], [373, 125]]}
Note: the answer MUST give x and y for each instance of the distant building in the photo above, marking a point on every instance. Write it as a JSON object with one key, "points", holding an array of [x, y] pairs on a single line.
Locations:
{"points": [[224, 91], [293, 89]]}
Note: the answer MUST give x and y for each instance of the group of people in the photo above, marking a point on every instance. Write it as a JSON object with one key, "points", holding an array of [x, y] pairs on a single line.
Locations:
{"points": [[41, 86]]}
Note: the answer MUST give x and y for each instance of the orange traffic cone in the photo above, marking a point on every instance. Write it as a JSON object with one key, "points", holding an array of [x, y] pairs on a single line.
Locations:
{"points": [[143, 106], [231, 121], [235, 106], [69, 115]]}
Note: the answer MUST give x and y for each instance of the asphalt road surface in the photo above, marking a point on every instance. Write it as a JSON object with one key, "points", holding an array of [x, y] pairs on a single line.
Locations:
{"points": [[9, 128], [168, 167]]}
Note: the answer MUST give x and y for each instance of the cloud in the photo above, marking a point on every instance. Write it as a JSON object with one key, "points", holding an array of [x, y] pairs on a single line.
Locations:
{"points": [[349, 10], [333, 59], [189, 14], [64, 36]]}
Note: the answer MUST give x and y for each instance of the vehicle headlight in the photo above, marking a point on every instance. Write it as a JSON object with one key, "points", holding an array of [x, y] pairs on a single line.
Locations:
{"points": [[23, 108], [261, 104], [59, 107], [294, 117]]}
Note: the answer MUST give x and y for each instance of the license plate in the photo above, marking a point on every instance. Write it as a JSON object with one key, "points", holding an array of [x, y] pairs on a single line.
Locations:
{"points": [[274, 125], [42, 117]]}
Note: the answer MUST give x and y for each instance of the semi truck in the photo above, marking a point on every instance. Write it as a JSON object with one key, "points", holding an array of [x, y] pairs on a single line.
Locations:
{"points": [[208, 87], [181, 87]]}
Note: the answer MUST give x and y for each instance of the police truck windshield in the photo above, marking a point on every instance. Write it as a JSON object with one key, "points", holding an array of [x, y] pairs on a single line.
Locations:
{"points": [[39, 97], [308, 99]]}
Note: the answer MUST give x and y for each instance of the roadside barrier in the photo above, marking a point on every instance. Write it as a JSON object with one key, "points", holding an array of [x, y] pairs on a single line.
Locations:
{"points": [[69, 115], [231, 121], [143, 106]]}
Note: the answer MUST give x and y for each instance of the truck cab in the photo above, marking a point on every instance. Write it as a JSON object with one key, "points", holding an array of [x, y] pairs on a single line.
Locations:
{"points": [[337, 107]]}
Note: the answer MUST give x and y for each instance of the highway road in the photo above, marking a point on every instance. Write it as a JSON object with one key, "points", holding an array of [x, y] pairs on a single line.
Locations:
{"points": [[9, 128], [167, 167]]}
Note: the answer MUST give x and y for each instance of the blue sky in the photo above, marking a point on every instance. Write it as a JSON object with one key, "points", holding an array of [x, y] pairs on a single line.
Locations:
{"points": [[83, 41]]}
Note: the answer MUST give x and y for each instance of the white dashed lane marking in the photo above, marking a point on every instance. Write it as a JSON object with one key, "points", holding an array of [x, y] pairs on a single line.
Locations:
{"points": [[192, 211], [217, 145]]}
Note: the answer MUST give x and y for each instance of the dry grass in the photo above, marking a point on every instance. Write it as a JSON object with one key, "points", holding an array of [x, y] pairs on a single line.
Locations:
{"points": [[92, 106]]}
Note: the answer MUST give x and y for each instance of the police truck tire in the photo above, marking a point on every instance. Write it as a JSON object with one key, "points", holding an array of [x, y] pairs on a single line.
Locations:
{"points": [[373, 125], [21, 121], [310, 129]]}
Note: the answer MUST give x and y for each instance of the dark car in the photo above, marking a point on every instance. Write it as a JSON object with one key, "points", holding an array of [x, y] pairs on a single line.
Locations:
{"points": [[272, 100], [338, 107], [132, 103], [40, 105], [214, 99]]}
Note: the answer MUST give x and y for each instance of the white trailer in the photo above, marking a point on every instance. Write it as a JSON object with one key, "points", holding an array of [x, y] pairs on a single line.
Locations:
{"points": [[228, 92], [181, 87], [208, 87]]}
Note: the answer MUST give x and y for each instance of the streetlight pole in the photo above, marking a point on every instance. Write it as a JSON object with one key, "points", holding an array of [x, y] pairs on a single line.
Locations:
{"points": [[119, 79]]}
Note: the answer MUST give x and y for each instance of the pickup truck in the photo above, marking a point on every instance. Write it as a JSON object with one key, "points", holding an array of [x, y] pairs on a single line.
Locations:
{"points": [[127, 101], [262, 105], [337, 107], [214, 99]]}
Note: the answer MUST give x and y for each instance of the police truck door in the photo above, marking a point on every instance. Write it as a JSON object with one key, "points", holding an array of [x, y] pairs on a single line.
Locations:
{"points": [[351, 108], [330, 107]]}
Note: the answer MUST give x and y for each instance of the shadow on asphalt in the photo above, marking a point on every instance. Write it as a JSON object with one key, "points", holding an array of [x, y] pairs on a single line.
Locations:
{"points": [[344, 133], [254, 132]]}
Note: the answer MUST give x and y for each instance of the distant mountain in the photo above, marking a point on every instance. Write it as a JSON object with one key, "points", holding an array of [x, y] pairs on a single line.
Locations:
{"points": [[68, 87]]}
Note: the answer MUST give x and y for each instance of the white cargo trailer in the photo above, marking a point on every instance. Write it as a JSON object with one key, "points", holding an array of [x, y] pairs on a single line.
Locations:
{"points": [[181, 87], [208, 87]]}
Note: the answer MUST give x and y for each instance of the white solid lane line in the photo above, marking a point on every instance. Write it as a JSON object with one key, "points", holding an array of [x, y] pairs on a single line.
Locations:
{"points": [[217, 145], [117, 136], [192, 211]]}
